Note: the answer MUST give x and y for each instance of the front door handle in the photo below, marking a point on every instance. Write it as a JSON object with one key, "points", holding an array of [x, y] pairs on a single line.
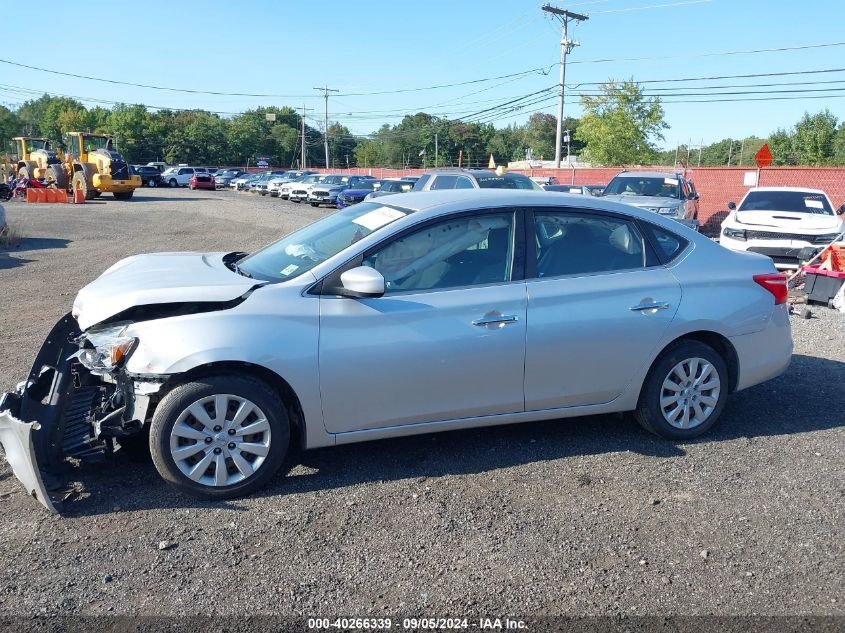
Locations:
{"points": [[496, 320], [654, 305]]}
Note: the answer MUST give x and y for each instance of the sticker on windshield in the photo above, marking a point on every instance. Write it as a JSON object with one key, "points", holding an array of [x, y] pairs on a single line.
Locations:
{"points": [[813, 204], [670, 181], [378, 218], [575, 190], [289, 270]]}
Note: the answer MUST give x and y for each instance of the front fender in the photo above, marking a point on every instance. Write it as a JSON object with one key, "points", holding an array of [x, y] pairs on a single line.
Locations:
{"points": [[276, 328]]}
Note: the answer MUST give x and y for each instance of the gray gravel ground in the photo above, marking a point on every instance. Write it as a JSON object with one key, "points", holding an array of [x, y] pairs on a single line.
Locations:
{"points": [[585, 516]]}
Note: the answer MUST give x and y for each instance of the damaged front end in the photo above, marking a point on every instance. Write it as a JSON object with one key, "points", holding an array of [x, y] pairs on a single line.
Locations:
{"points": [[77, 402]]}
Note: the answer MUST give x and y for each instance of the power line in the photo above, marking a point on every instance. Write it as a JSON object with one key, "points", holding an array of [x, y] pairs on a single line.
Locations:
{"points": [[653, 6], [543, 70], [719, 77], [720, 53]]}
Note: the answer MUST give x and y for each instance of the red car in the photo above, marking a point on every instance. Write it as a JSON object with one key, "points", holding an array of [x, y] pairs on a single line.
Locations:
{"points": [[202, 181]]}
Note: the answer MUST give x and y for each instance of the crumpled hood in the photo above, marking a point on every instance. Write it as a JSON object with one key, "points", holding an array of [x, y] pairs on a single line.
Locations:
{"points": [[646, 202], [156, 279], [789, 220]]}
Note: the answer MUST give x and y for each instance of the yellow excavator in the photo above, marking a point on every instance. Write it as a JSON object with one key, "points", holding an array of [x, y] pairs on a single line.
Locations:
{"points": [[93, 166], [37, 159]]}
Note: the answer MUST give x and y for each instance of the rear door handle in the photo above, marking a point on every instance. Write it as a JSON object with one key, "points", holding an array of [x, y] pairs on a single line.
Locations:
{"points": [[655, 305], [496, 320]]}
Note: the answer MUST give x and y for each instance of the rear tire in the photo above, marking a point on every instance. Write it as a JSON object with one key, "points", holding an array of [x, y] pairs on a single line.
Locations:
{"points": [[151, 183], [172, 182], [315, 204], [57, 175], [684, 392], [227, 471], [123, 195]]}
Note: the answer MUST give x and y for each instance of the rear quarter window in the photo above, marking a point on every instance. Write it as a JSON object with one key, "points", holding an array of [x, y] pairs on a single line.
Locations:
{"points": [[666, 244]]}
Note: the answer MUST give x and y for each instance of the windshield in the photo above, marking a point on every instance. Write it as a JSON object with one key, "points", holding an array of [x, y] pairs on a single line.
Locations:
{"points": [[92, 143], [309, 179], [794, 201], [508, 181], [335, 180], [653, 186], [299, 252]]}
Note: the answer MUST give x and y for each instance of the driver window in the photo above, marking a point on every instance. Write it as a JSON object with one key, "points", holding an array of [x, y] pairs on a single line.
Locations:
{"points": [[464, 251]]}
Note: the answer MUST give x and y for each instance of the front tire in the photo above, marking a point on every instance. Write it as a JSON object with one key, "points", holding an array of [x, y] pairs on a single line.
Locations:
{"points": [[172, 182], [684, 392], [315, 204], [151, 183], [219, 437]]}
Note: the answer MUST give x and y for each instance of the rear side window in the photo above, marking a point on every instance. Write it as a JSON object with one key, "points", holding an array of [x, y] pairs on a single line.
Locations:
{"points": [[571, 243], [444, 182], [420, 185], [667, 244]]}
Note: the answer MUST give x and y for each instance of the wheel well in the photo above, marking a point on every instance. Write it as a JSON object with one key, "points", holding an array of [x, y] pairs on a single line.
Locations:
{"points": [[267, 376], [723, 347]]}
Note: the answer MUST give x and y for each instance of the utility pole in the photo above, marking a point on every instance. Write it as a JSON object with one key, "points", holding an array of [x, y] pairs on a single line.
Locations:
{"points": [[741, 152], [700, 146], [730, 151], [435, 150], [302, 160], [326, 90], [565, 47]]}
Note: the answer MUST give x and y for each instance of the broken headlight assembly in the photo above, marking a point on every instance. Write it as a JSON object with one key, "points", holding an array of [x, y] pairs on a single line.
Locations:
{"points": [[106, 349]]}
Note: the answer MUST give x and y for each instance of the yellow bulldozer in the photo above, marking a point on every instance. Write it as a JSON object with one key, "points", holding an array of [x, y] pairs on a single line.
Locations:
{"points": [[37, 159], [93, 166]]}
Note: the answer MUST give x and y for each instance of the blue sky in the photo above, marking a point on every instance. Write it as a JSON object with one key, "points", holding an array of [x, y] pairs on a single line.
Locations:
{"points": [[287, 48]]}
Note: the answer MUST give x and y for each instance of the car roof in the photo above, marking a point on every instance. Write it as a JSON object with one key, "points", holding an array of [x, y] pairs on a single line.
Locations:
{"points": [[471, 172], [801, 189], [443, 201], [649, 174]]}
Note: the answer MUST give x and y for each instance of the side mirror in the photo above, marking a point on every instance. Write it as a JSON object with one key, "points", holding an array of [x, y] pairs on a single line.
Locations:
{"points": [[841, 210], [362, 281], [731, 205]]}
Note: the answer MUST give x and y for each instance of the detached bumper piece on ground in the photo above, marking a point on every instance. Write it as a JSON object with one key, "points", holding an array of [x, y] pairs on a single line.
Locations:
{"points": [[61, 411]]}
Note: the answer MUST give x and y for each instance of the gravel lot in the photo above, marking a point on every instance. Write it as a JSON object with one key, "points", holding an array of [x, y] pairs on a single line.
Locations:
{"points": [[585, 516]]}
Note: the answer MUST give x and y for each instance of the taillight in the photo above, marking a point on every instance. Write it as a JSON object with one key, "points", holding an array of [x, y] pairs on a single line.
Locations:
{"points": [[776, 284]]}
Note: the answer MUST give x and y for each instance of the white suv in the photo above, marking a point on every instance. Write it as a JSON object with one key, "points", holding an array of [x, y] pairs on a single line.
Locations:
{"points": [[180, 176]]}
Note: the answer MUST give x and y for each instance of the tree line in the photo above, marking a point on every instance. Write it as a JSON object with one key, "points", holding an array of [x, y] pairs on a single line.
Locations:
{"points": [[620, 126]]}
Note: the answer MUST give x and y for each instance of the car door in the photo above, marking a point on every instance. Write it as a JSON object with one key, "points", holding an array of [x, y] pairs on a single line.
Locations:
{"points": [[599, 302], [447, 339]]}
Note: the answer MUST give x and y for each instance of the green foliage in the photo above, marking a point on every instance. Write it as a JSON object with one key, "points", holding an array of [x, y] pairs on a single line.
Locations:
{"points": [[621, 125]]}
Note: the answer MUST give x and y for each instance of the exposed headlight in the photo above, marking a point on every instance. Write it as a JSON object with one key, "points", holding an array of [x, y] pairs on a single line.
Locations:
{"points": [[735, 234], [669, 211], [105, 349]]}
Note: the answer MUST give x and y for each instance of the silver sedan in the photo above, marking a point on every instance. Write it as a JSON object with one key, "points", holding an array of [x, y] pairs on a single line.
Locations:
{"points": [[415, 313]]}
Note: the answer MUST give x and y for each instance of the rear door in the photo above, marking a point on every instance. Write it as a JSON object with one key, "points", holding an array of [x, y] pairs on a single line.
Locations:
{"points": [[598, 304]]}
